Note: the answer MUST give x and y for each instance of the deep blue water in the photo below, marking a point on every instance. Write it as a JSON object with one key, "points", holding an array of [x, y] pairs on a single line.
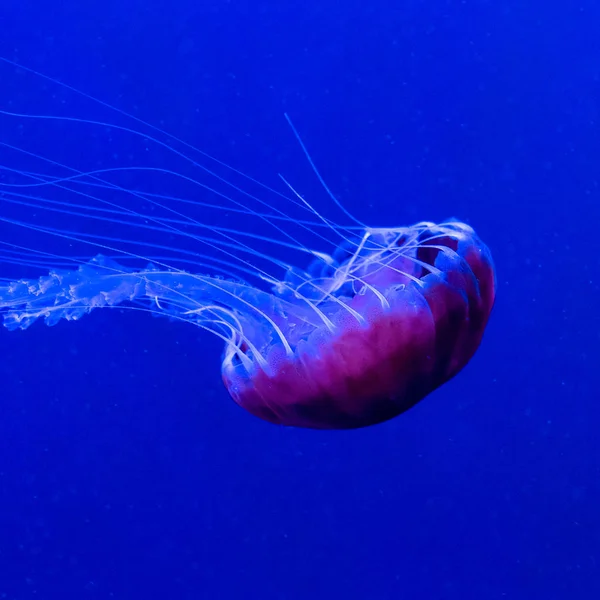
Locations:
{"points": [[125, 470]]}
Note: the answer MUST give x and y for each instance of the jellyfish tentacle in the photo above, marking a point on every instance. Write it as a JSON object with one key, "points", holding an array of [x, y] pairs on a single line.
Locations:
{"points": [[319, 176], [201, 167]]}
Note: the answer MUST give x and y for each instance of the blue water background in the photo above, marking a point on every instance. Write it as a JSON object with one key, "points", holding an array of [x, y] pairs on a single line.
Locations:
{"points": [[125, 470]]}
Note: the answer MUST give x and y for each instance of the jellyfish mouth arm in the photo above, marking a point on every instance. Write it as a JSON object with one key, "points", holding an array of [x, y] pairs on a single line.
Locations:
{"points": [[102, 282], [68, 294], [241, 315]]}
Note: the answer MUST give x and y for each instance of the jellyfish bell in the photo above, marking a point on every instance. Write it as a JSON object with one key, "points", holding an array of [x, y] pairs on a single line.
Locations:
{"points": [[401, 315], [377, 319]]}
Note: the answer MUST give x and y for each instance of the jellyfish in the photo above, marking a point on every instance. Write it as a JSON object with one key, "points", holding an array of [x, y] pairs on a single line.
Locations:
{"points": [[368, 322]]}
